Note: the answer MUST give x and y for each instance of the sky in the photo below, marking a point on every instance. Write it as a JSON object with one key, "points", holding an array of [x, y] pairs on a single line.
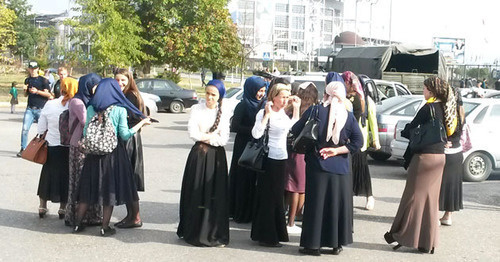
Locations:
{"points": [[415, 22]]}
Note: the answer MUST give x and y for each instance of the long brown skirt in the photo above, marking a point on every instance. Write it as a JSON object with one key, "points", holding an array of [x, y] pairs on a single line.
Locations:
{"points": [[416, 222]]}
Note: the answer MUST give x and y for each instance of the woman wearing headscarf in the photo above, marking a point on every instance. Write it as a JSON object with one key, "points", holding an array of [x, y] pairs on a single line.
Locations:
{"points": [[133, 145], [108, 179], [53, 183], [362, 183], [203, 209], [269, 225], [327, 220], [77, 108], [333, 76], [242, 180], [295, 167], [416, 222]]}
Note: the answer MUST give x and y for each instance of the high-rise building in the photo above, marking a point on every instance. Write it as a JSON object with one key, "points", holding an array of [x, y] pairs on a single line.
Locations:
{"points": [[286, 29]]}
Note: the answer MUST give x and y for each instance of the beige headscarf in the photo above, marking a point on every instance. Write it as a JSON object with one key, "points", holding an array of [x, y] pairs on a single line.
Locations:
{"points": [[335, 96]]}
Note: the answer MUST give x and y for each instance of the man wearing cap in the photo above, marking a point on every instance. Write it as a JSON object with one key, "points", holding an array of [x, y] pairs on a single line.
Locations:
{"points": [[37, 89]]}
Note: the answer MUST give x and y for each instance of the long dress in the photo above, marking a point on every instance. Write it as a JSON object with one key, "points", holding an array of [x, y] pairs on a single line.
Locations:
{"points": [[327, 220], [242, 181], [450, 197], [134, 145], [203, 209], [416, 221]]}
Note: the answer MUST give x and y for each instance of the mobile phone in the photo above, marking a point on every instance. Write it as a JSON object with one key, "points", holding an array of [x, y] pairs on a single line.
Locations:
{"points": [[154, 120]]}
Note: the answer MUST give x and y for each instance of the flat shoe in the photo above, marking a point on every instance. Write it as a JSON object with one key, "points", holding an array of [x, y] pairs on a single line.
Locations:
{"points": [[127, 225], [388, 238], [445, 222], [107, 231], [264, 244], [61, 213], [42, 212], [337, 250], [310, 251], [78, 229]]}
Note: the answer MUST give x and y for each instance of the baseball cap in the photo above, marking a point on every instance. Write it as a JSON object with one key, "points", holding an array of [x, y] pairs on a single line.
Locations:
{"points": [[33, 64]]}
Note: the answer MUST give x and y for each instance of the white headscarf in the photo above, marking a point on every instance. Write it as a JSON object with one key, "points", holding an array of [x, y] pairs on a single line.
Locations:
{"points": [[335, 96]]}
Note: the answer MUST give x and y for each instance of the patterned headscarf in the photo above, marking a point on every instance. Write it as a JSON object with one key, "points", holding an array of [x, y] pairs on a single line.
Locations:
{"points": [[350, 79], [443, 91], [337, 117], [69, 87]]}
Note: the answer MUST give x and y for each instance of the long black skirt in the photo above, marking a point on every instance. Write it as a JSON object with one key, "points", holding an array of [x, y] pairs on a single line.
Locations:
{"points": [[134, 150], [53, 184], [107, 179], [203, 211], [361, 179], [269, 223], [450, 197], [327, 220], [242, 186]]}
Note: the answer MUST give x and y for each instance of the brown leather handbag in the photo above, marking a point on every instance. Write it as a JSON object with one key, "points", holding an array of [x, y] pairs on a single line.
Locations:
{"points": [[36, 151]]}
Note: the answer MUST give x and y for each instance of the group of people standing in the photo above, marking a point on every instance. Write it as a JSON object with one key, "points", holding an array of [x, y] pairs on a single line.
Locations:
{"points": [[319, 185], [88, 184]]}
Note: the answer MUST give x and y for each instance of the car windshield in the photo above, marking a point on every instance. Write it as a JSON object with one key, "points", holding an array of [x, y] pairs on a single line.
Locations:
{"points": [[468, 107], [391, 102], [231, 92]]}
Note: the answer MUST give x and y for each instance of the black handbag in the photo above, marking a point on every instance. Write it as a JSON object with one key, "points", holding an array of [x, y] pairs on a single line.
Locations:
{"points": [[255, 152], [428, 133], [308, 137]]}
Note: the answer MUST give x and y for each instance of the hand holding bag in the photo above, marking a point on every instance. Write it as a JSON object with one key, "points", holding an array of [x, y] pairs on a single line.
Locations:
{"points": [[465, 138], [36, 151], [255, 152], [307, 138], [428, 133]]}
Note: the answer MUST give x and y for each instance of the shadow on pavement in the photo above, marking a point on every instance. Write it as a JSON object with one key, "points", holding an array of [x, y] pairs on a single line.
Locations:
{"points": [[182, 146], [175, 128], [156, 212], [20, 120], [372, 218]]}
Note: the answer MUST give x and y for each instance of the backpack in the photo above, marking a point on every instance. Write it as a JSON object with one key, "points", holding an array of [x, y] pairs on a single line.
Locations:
{"points": [[100, 138], [65, 136]]}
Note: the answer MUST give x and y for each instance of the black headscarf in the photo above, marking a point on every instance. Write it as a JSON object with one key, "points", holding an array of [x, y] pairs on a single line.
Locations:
{"points": [[85, 85], [252, 85]]}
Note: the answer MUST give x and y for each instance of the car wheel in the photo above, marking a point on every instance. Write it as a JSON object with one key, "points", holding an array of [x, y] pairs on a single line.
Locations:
{"points": [[379, 156], [477, 167], [176, 107]]}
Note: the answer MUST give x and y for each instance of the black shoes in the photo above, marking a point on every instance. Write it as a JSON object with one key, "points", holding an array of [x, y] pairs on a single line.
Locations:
{"points": [[108, 231], [337, 250], [310, 251], [264, 244], [122, 224], [78, 228], [425, 250], [388, 238], [61, 213]]}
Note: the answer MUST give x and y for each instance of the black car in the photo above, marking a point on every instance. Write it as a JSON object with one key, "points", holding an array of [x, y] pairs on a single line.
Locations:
{"points": [[173, 97]]}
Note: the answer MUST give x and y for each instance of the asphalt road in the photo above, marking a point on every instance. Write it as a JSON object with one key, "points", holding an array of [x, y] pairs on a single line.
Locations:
{"points": [[474, 235]]}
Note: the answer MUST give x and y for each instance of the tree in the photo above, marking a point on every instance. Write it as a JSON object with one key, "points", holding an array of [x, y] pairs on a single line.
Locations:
{"points": [[189, 34], [112, 29], [7, 33], [25, 29]]}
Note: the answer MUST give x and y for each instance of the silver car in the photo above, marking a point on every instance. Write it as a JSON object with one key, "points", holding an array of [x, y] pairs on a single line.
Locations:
{"points": [[483, 116], [389, 112]]}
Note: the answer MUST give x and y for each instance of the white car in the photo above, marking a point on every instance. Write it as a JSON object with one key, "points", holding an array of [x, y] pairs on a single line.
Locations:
{"points": [[150, 101], [482, 116], [387, 89]]}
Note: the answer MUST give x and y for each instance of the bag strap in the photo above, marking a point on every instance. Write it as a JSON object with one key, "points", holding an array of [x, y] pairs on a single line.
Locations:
{"points": [[266, 132], [433, 112]]}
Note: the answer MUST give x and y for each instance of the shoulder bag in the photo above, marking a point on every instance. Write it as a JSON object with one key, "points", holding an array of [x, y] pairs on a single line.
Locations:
{"points": [[308, 137], [255, 152], [428, 133], [36, 151]]}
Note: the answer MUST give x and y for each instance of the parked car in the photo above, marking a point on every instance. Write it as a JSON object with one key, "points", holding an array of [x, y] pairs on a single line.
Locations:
{"points": [[482, 116], [387, 89], [479, 92], [173, 97], [389, 112], [232, 97], [150, 102]]}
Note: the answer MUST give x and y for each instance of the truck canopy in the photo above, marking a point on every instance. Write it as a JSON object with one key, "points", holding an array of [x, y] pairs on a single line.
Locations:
{"points": [[373, 61]]}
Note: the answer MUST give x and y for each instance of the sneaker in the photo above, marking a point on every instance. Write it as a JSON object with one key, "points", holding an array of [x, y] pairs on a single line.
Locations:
{"points": [[20, 153], [294, 229], [370, 203]]}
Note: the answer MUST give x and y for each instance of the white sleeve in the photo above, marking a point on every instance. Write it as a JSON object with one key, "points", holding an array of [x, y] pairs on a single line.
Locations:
{"points": [[221, 135], [42, 120], [258, 129], [193, 127]]}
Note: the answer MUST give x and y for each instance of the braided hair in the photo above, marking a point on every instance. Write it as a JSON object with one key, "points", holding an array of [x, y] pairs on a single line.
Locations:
{"points": [[222, 91], [217, 118]]}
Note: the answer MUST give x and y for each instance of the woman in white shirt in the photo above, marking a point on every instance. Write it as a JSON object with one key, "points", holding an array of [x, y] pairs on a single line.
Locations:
{"points": [[203, 211], [53, 184], [269, 225]]}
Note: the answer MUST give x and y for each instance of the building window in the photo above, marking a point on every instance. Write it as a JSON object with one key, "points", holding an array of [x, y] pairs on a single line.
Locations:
{"points": [[327, 26], [281, 21], [298, 47], [281, 34], [245, 19], [328, 12], [282, 45], [298, 9], [298, 22], [246, 4], [297, 35], [282, 8], [327, 38]]}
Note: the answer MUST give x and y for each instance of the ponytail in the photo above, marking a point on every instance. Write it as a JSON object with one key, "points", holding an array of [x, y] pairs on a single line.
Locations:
{"points": [[217, 118]]}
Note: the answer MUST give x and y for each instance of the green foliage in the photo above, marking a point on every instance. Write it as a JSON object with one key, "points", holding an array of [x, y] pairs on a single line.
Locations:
{"points": [[7, 33], [26, 30], [175, 76], [113, 30], [190, 34]]}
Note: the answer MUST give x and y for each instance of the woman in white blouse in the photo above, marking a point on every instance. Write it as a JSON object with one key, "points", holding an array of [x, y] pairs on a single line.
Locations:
{"points": [[269, 225], [53, 184], [203, 211]]}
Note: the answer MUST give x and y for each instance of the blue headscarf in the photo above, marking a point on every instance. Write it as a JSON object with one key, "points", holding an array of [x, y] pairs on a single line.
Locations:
{"points": [[85, 85], [219, 85], [333, 76], [109, 93], [252, 85]]}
